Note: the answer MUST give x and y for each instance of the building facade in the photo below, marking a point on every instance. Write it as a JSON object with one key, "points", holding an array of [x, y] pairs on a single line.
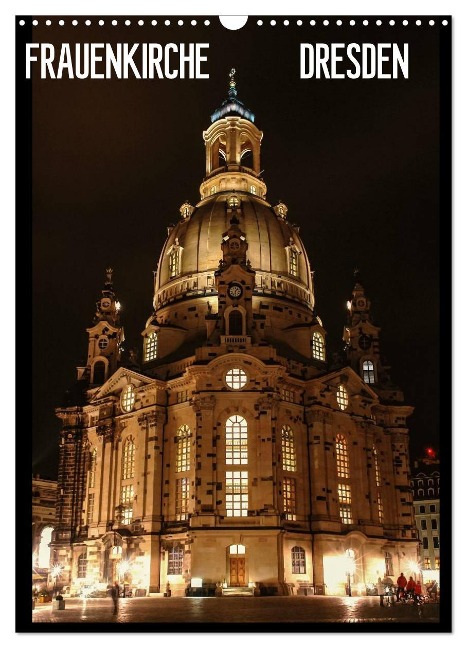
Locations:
{"points": [[425, 484], [237, 455]]}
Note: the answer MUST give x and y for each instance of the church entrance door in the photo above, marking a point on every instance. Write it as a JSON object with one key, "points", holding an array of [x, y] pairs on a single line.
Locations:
{"points": [[237, 571]]}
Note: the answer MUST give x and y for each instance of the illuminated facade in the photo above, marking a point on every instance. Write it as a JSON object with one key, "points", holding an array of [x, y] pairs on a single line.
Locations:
{"points": [[425, 483], [44, 499], [235, 455]]}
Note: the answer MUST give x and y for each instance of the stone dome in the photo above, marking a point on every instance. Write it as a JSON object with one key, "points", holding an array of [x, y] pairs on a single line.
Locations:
{"points": [[275, 250]]}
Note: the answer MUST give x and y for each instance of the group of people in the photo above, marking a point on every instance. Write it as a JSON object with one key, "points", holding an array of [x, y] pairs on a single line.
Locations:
{"points": [[406, 590]]}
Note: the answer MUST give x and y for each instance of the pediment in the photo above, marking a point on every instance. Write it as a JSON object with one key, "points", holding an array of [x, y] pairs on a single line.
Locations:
{"points": [[119, 380], [352, 381]]}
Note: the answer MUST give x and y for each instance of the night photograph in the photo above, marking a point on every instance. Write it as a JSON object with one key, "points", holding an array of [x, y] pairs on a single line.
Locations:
{"points": [[240, 277]]}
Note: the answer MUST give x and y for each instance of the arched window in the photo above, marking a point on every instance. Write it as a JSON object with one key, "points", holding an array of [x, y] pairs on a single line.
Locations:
{"points": [[288, 491], [174, 262], [236, 440], [377, 470], [368, 371], [289, 461], [235, 322], [343, 474], [92, 468], [298, 560], [175, 561], [82, 565], [128, 398], [293, 262], [43, 558], [342, 397], [99, 373], [318, 346], [342, 457], [128, 460], [183, 448], [150, 347]]}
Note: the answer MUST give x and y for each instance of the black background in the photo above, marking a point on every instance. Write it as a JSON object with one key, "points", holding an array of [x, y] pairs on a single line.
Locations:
{"points": [[358, 163]]}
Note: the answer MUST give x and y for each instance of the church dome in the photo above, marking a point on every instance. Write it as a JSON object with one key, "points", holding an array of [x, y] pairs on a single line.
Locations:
{"points": [[232, 187]]}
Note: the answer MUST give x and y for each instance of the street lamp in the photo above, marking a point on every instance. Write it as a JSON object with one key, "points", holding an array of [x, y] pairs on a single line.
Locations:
{"points": [[349, 561], [55, 573]]}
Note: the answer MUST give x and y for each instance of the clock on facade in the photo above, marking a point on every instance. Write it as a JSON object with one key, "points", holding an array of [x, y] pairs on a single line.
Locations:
{"points": [[234, 245], [364, 342], [105, 303], [235, 291]]}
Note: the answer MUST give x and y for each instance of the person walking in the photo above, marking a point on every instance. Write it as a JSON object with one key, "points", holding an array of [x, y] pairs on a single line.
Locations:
{"points": [[418, 592], [381, 589], [115, 596], [401, 585]]}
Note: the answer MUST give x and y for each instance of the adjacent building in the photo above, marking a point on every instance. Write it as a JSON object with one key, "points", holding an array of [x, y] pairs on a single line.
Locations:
{"points": [[238, 454], [425, 484], [44, 499]]}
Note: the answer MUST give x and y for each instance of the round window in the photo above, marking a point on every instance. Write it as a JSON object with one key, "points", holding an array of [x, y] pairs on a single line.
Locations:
{"points": [[128, 398], [236, 378], [103, 342]]}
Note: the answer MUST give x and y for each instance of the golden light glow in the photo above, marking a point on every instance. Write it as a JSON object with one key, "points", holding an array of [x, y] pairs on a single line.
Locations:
{"points": [[349, 305]]}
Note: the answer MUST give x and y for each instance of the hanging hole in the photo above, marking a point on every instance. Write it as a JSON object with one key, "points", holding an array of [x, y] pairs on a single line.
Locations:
{"points": [[233, 22]]}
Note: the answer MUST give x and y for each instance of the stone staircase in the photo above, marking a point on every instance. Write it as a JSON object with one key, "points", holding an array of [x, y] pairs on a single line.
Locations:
{"points": [[238, 591]]}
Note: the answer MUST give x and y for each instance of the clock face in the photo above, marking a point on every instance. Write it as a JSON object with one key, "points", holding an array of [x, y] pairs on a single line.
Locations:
{"points": [[234, 245], [361, 303], [105, 303], [235, 291], [364, 342]]}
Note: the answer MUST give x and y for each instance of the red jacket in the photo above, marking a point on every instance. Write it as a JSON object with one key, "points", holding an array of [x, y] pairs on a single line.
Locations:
{"points": [[401, 581], [418, 588], [411, 584]]}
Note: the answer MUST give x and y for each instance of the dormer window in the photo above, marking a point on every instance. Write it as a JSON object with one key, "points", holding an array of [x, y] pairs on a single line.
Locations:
{"points": [[293, 262], [213, 190], [253, 190], [186, 209], [174, 255]]}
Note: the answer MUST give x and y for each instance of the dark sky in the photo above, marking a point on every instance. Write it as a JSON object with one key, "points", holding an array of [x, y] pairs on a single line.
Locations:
{"points": [[356, 161]]}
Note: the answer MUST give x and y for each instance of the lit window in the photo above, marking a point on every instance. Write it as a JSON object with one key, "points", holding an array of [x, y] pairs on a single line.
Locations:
{"points": [[298, 560], [174, 263], [128, 398], [127, 494], [345, 503], [377, 471], [175, 561], [236, 550], [342, 397], [128, 460], [253, 189], [289, 461], [318, 346], [233, 202], [150, 347], [342, 457], [82, 565], [293, 262], [90, 508], [288, 395], [368, 372], [427, 563], [289, 498], [182, 396], [236, 440], [236, 378], [182, 495], [213, 190], [92, 468], [183, 448], [389, 569], [127, 514], [380, 507], [437, 563], [236, 494]]}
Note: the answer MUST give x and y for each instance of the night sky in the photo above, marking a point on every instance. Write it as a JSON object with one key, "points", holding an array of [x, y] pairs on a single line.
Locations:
{"points": [[356, 161]]}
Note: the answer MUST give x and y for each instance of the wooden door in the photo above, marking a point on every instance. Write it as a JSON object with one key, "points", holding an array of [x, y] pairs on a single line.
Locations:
{"points": [[237, 571]]}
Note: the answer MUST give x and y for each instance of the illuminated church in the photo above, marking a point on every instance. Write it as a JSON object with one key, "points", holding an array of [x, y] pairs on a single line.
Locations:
{"points": [[236, 458]]}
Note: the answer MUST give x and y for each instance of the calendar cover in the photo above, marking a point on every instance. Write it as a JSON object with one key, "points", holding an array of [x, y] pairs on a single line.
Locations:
{"points": [[239, 243]]}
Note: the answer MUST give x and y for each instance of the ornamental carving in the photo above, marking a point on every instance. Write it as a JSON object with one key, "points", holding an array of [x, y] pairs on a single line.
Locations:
{"points": [[152, 419], [200, 403]]}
